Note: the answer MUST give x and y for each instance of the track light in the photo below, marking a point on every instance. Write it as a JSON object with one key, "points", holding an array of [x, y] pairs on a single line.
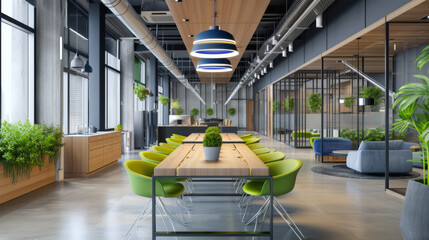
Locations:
{"points": [[284, 53], [265, 70], [290, 47], [271, 65], [178, 0], [258, 77], [262, 72], [319, 21]]}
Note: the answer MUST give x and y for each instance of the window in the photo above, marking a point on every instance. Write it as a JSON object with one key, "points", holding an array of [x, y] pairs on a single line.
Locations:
{"points": [[76, 108], [160, 106], [17, 60], [113, 88], [139, 76]]}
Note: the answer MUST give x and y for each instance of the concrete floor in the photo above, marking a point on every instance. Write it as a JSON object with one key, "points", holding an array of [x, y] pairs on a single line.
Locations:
{"points": [[102, 206]]}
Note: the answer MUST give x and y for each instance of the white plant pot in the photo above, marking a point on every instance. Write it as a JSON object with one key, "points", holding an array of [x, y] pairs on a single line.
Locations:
{"points": [[211, 153]]}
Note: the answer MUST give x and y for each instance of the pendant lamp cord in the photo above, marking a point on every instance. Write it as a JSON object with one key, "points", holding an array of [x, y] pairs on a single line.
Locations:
{"points": [[214, 13], [77, 36]]}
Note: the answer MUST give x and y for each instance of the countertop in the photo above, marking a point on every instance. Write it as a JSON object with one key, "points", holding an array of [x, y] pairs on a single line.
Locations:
{"points": [[90, 134], [183, 125]]}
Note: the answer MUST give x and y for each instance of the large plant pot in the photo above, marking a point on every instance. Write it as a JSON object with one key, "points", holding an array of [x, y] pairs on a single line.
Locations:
{"points": [[38, 178], [415, 213], [211, 153]]}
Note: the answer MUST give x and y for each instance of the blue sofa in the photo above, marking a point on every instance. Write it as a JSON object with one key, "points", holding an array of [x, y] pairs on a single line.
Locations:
{"points": [[329, 145], [370, 157]]}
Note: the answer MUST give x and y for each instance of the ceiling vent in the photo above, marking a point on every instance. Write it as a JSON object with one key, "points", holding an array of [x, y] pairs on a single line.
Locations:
{"points": [[157, 17]]}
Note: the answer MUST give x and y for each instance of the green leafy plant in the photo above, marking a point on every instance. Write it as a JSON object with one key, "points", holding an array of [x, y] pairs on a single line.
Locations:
{"points": [[212, 139], [175, 104], [231, 112], [423, 58], [179, 111], [141, 92], [289, 104], [118, 127], [209, 111], [24, 146], [315, 102], [276, 105], [376, 134], [213, 129], [373, 92], [195, 112], [163, 99], [349, 101]]}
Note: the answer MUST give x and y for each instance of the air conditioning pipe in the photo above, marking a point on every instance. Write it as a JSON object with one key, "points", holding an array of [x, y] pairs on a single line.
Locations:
{"points": [[128, 16]]}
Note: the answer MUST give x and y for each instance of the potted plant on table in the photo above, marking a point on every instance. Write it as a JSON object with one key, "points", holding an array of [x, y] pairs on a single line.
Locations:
{"points": [[209, 112], [412, 103], [212, 143], [373, 92], [179, 111]]}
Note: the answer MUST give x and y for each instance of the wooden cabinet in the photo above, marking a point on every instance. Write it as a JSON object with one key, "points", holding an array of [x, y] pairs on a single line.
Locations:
{"points": [[87, 154]]}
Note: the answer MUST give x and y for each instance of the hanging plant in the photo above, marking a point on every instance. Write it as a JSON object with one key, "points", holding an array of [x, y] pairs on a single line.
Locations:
{"points": [[195, 112], [141, 92], [276, 105], [179, 111], [315, 102], [175, 104], [373, 92], [289, 104], [209, 111], [231, 112], [163, 99], [349, 101]]}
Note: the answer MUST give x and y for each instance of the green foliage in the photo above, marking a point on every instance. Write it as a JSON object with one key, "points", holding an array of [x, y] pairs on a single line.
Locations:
{"points": [[24, 146], [231, 112], [373, 92], [163, 99], [315, 102], [376, 134], [350, 134], [209, 111], [212, 139], [289, 104], [195, 112], [349, 101], [276, 105], [213, 129], [141, 92], [423, 58], [179, 111], [119, 127], [175, 104]]}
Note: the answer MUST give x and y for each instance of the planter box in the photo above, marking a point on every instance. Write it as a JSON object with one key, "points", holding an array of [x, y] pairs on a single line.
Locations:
{"points": [[38, 178]]}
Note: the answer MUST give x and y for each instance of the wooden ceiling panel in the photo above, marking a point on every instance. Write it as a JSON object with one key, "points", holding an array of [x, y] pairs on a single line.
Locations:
{"points": [[238, 17]]}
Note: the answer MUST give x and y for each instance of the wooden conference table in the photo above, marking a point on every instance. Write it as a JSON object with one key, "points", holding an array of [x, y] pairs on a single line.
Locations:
{"points": [[236, 160], [226, 138]]}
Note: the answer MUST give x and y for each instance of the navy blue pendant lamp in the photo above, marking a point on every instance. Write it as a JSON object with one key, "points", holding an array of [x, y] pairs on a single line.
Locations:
{"points": [[214, 43], [214, 65]]}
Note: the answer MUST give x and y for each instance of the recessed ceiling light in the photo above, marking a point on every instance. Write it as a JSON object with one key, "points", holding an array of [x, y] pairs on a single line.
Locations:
{"points": [[425, 18], [190, 35], [185, 20], [178, 0]]}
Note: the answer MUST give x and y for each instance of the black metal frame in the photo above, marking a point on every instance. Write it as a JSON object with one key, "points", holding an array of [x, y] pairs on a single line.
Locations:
{"points": [[156, 234]]}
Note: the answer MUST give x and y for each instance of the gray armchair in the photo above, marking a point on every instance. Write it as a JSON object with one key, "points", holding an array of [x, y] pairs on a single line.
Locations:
{"points": [[370, 157]]}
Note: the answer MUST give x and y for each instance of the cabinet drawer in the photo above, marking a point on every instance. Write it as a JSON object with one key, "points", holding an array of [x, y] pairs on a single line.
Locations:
{"points": [[96, 159], [95, 144], [96, 138]]}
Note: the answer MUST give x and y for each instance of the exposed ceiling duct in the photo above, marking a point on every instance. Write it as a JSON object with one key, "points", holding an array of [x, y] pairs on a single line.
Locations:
{"points": [[300, 16], [128, 16]]}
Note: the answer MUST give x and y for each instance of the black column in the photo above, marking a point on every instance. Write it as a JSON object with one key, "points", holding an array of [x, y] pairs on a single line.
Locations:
{"points": [[96, 60]]}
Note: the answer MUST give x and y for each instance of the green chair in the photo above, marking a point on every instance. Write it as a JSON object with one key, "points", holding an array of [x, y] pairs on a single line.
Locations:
{"points": [[272, 157], [163, 150], [174, 141], [262, 150], [140, 177], [168, 145], [252, 140], [284, 177], [178, 136], [152, 157], [253, 146], [246, 136]]}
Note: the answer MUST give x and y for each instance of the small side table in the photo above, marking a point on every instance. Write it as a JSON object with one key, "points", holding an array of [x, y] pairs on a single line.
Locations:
{"points": [[340, 152], [415, 148]]}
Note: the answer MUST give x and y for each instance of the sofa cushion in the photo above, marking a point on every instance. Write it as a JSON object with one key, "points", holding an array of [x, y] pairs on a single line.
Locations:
{"points": [[380, 145], [330, 144]]}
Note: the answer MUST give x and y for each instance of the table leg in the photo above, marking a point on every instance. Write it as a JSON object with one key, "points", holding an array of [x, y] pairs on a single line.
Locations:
{"points": [[153, 208], [272, 209]]}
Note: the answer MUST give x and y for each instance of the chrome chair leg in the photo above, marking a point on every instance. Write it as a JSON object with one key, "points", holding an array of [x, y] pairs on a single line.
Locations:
{"points": [[290, 219]]}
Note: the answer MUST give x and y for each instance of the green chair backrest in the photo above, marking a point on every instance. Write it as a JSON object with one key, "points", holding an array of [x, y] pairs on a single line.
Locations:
{"points": [[163, 150], [140, 176], [246, 136], [168, 145], [284, 176], [253, 146], [313, 138], [174, 141], [301, 134], [261, 150], [178, 136], [272, 157], [152, 157], [251, 140]]}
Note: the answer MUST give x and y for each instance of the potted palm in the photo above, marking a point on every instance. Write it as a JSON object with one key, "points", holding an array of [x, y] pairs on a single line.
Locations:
{"points": [[412, 103], [211, 144]]}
